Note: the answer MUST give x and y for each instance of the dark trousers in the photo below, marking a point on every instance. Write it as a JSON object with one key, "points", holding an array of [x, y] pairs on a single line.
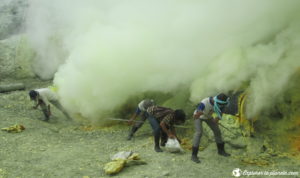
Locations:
{"points": [[140, 123], [199, 129], [154, 125], [158, 133]]}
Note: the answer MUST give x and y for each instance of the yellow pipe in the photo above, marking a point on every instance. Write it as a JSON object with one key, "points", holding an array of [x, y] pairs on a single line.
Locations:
{"points": [[245, 123]]}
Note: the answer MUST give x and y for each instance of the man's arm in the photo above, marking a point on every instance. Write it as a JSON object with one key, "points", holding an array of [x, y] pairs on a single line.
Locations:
{"points": [[197, 114], [49, 111], [167, 131], [134, 116], [38, 102], [175, 134], [36, 106], [199, 111], [131, 120]]}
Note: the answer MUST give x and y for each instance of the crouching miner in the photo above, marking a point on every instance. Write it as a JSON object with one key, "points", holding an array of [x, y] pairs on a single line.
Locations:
{"points": [[141, 111], [43, 97], [162, 121]]}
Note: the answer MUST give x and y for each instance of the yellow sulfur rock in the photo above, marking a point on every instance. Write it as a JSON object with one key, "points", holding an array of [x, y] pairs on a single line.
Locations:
{"points": [[14, 129], [134, 156], [114, 166]]}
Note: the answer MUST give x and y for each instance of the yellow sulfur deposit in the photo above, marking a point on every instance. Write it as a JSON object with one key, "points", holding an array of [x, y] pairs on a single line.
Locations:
{"points": [[114, 167], [134, 156], [119, 162], [14, 129]]}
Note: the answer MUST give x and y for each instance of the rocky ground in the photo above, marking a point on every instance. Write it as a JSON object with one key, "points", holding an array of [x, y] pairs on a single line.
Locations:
{"points": [[64, 148]]}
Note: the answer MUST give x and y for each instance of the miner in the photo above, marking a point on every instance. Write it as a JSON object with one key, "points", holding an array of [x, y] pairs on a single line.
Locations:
{"points": [[141, 111], [162, 121], [43, 97], [204, 113]]}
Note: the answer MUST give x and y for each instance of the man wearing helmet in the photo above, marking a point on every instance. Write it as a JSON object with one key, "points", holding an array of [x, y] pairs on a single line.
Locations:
{"points": [[203, 113], [141, 110]]}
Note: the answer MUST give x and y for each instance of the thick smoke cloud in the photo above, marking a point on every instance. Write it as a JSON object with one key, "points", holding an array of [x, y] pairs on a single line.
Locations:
{"points": [[103, 52]]}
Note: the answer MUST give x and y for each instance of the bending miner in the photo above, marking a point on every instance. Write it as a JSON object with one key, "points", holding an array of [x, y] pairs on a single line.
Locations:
{"points": [[162, 121], [43, 97], [141, 111], [203, 113]]}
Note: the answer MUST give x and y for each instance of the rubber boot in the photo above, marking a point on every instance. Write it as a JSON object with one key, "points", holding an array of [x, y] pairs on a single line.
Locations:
{"points": [[194, 154], [156, 142], [221, 150], [131, 133]]}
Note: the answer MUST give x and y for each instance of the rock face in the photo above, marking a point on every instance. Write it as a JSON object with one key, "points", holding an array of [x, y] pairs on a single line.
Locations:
{"points": [[15, 53], [15, 58], [12, 14], [12, 87]]}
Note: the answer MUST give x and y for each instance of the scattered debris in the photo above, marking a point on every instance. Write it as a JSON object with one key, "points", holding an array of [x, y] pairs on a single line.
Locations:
{"points": [[238, 143], [121, 160], [14, 129], [186, 144], [114, 167], [259, 160], [122, 155]]}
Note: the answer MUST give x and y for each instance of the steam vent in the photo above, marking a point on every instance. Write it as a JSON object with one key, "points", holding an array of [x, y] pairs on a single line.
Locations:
{"points": [[149, 89]]}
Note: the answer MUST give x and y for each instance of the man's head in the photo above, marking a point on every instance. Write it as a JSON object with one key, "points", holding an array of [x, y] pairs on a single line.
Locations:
{"points": [[146, 104], [222, 97], [220, 101], [33, 94], [179, 116]]}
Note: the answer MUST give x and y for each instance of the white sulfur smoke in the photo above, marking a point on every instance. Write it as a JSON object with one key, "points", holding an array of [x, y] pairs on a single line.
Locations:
{"points": [[110, 50]]}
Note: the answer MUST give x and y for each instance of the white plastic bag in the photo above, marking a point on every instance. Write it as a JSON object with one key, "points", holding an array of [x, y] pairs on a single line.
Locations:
{"points": [[122, 155], [173, 146]]}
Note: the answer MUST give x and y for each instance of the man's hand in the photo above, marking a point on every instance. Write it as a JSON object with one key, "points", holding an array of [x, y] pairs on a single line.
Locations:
{"points": [[171, 136], [216, 120], [130, 122], [197, 115], [36, 106]]}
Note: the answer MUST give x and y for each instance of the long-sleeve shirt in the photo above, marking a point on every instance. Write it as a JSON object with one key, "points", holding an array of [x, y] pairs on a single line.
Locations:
{"points": [[162, 114]]}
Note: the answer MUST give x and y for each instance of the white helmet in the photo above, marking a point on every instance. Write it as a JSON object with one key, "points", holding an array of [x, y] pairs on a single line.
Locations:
{"points": [[145, 104]]}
